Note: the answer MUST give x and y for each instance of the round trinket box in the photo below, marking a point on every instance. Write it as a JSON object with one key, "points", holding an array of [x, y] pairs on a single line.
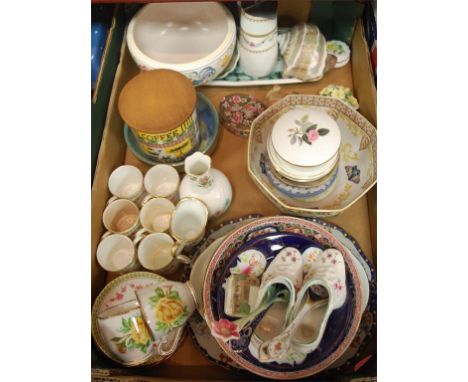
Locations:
{"points": [[304, 144], [238, 112], [340, 50], [159, 107]]}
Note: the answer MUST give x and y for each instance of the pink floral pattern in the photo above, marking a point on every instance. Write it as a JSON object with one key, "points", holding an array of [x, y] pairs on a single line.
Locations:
{"points": [[238, 111], [307, 131], [225, 330]]}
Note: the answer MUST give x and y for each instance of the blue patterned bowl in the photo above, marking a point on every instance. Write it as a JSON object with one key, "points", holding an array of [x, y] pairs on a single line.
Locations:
{"points": [[270, 235]]}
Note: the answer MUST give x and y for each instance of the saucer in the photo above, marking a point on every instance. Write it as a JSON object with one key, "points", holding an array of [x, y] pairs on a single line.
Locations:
{"points": [[208, 124], [307, 193], [357, 165], [210, 348], [122, 290], [270, 235]]}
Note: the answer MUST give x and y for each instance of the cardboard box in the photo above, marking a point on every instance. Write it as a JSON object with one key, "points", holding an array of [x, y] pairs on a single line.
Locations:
{"points": [[230, 157], [104, 83]]}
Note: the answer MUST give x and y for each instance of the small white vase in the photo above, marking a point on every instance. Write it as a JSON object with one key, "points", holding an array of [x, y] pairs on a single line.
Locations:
{"points": [[206, 184]]}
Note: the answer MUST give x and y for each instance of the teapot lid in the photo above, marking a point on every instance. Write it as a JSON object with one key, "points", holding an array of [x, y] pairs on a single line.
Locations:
{"points": [[305, 136]]}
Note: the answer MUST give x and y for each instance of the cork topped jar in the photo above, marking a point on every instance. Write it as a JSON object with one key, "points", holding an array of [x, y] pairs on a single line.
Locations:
{"points": [[159, 108]]}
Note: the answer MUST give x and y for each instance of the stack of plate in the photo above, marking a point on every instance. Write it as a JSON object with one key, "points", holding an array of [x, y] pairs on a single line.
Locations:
{"points": [[304, 144], [221, 253]]}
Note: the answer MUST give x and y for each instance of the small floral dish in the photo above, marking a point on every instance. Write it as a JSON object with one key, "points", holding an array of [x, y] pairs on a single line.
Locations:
{"points": [[354, 355], [357, 166], [238, 111], [129, 346], [341, 93], [209, 132], [340, 50], [198, 42], [287, 232]]}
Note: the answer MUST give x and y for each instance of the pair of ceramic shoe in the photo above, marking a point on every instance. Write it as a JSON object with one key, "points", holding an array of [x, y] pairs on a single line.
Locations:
{"points": [[289, 330]]}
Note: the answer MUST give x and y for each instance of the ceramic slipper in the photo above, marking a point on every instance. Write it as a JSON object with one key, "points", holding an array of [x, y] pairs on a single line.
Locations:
{"points": [[277, 291], [285, 271], [323, 290]]}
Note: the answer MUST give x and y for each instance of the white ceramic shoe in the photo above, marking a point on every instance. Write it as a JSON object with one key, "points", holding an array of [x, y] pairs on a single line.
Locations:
{"points": [[323, 290], [285, 269]]}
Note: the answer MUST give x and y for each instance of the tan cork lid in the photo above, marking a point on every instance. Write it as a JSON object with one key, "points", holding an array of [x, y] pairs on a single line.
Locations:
{"points": [[157, 101]]}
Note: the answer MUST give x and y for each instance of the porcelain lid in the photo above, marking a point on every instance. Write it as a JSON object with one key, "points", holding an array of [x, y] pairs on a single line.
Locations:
{"points": [[306, 137]]}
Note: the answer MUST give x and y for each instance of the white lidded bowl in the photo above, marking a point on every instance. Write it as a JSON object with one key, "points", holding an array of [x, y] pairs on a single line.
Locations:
{"points": [[196, 39]]}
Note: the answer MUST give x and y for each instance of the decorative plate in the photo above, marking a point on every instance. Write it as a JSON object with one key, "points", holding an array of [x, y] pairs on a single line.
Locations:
{"points": [[209, 131], [357, 167], [306, 193], [121, 290], [271, 235], [210, 348]]}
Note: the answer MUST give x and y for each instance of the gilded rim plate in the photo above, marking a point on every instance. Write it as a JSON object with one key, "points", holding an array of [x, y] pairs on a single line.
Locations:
{"points": [[209, 131], [283, 224]]}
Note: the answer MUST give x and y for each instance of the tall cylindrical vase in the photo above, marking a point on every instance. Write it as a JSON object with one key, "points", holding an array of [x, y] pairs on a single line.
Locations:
{"points": [[258, 38]]}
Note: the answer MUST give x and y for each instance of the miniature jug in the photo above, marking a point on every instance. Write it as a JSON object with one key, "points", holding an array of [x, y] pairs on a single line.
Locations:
{"points": [[206, 184]]}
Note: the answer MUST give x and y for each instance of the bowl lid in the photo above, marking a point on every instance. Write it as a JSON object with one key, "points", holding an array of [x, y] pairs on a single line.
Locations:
{"points": [[306, 137], [157, 101]]}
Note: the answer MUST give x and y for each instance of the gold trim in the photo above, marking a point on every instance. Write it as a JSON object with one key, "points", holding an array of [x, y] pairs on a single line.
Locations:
{"points": [[275, 29], [320, 101], [151, 359], [202, 233]]}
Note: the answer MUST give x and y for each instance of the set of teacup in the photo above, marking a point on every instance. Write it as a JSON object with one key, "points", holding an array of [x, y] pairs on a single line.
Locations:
{"points": [[148, 325], [154, 235]]}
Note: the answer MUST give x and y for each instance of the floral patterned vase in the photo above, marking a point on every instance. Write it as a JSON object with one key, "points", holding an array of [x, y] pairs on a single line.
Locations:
{"points": [[207, 184]]}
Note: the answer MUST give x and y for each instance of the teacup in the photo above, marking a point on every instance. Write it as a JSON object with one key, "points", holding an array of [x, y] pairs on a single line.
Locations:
{"points": [[127, 336], [126, 182], [166, 306], [159, 253], [189, 221], [161, 180], [116, 253], [155, 215], [121, 216]]}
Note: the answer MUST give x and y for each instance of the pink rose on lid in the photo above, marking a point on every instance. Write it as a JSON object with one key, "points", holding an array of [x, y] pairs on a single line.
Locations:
{"points": [[312, 135]]}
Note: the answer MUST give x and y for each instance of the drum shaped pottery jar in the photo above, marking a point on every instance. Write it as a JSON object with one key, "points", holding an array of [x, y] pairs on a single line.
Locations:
{"points": [[159, 108]]}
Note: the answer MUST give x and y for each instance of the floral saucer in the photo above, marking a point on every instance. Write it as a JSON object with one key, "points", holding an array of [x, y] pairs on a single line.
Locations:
{"points": [[207, 344], [270, 235], [118, 292], [209, 131], [357, 167]]}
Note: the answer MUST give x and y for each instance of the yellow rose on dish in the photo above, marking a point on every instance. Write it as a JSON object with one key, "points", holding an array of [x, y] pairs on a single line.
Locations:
{"points": [[138, 331], [169, 310]]}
